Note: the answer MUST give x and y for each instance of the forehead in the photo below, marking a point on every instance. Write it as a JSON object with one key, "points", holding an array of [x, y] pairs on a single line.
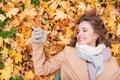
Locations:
{"points": [[85, 25]]}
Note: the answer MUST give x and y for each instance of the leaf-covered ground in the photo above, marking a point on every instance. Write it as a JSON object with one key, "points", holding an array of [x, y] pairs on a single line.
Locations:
{"points": [[57, 18]]}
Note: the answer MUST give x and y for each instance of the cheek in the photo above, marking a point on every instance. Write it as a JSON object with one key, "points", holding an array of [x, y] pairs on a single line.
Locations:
{"points": [[77, 36], [89, 34], [89, 37]]}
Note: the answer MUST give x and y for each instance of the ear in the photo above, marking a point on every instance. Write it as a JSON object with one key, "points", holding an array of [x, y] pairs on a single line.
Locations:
{"points": [[96, 36]]}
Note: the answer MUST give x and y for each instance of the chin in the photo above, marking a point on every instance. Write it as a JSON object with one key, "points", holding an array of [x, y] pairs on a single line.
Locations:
{"points": [[81, 43]]}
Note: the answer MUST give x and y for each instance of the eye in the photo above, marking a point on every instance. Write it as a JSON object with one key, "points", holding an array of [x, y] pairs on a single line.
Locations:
{"points": [[78, 31], [85, 30]]}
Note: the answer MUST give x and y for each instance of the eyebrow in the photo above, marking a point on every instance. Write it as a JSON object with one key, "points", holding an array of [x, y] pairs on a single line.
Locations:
{"points": [[82, 28]]}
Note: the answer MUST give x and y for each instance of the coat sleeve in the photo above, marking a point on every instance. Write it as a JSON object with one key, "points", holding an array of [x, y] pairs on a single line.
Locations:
{"points": [[42, 66], [116, 75]]}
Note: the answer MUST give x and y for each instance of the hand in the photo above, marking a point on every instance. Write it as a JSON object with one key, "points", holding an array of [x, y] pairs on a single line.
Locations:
{"points": [[38, 35]]}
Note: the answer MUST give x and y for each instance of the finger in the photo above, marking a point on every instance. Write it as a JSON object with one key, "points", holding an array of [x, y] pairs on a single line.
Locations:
{"points": [[38, 29], [36, 40], [38, 32], [38, 36], [44, 37], [33, 27]]}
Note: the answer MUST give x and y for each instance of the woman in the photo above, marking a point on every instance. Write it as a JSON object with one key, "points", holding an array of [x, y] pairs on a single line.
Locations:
{"points": [[90, 59]]}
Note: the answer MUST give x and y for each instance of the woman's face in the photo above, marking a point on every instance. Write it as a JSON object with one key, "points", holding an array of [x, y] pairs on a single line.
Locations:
{"points": [[86, 34]]}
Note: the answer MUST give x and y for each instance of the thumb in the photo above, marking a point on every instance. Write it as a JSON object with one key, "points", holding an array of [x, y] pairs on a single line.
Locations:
{"points": [[33, 27]]}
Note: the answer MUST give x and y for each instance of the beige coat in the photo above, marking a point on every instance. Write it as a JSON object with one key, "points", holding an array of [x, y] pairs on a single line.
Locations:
{"points": [[72, 67]]}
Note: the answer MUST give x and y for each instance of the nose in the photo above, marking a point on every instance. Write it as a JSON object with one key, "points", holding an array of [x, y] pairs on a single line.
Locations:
{"points": [[80, 33]]}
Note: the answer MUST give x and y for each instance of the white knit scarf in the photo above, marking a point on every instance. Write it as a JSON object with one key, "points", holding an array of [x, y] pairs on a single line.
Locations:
{"points": [[90, 50], [93, 57]]}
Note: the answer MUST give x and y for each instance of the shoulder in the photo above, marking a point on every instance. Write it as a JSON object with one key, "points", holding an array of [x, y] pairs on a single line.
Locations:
{"points": [[106, 53], [111, 63], [69, 49], [110, 69], [71, 54]]}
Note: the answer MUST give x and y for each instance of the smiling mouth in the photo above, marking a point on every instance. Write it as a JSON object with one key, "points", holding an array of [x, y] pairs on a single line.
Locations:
{"points": [[80, 39]]}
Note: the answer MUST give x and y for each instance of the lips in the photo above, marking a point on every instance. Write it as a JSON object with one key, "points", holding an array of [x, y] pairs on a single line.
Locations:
{"points": [[80, 38]]}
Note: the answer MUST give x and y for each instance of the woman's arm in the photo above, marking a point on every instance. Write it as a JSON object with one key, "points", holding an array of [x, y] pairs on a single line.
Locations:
{"points": [[42, 66], [116, 76]]}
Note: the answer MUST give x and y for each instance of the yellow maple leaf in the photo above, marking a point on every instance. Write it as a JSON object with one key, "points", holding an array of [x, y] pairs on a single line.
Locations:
{"points": [[20, 40], [7, 71], [1, 41], [81, 6], [15, 21], [109, 16], [68, 32], [18, 67], [12, 12], [118, 30], [64, 4], [7, 7], [115, 49], [2, 17], [26, 31], [109, 20], [60, 15], [44, 4], [5, 51], [92, 3], [64, 40], [109, 6], [26, 2], [16, 70], [18, 58], [13, 53], [53, 5], [30, 11], [29, 75], [50, 11]]}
